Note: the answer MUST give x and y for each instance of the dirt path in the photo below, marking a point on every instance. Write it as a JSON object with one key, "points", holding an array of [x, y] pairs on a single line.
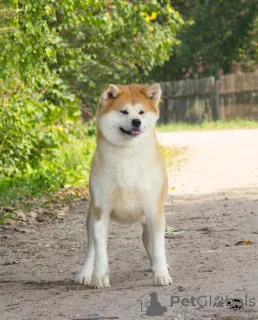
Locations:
{"points": [[214, 201], [220, 161]]}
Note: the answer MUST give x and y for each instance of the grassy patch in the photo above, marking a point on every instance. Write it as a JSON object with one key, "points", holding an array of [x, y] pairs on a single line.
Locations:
{"points": [[218, 125], [68, 170], [171, 154], [4, 216]]}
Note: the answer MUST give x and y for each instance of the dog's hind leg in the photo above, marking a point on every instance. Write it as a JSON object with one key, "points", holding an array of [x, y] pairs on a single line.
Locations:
{"points": [[147, 242], [84, 276], [156, 229]]}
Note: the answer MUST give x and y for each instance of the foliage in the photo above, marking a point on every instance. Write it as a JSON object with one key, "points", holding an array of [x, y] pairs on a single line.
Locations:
{"points": [[77, 46], [221, 38], [3, 217], [69, 165], [30, 129]]}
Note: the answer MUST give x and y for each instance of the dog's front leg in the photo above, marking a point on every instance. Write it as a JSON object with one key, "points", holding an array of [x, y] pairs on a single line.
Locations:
{"points": [[100, 234], [156, 230], [84, 276]]}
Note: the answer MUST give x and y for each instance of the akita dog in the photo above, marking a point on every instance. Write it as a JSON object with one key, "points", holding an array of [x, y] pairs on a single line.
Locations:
{"points": [[128, 180]]}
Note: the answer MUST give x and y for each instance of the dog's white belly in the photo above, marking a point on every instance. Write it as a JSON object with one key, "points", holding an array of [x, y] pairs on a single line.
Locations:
{"points": [[127, 206]]}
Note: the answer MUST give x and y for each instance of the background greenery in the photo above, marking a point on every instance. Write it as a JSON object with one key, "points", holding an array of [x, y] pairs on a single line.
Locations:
{"points": [[222, 37], [56, 56]]}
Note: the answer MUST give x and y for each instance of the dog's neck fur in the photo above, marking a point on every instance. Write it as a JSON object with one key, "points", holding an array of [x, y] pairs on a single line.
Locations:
{"points": [[147, 146]]}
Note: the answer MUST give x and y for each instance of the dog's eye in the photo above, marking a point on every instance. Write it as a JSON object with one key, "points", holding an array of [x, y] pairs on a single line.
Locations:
{"points": [[124, 112], [141, 112]]}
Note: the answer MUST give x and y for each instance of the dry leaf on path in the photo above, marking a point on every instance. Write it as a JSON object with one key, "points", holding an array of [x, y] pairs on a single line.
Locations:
{"points": [[244, 243]]}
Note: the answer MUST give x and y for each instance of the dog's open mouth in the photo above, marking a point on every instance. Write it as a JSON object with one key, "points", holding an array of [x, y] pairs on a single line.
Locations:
{"points": [[132, 133]]}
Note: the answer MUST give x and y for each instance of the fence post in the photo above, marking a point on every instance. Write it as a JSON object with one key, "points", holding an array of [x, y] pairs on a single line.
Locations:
{"points": [[217, 99]]}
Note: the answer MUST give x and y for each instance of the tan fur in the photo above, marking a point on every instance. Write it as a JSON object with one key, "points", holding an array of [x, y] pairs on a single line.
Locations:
{"points": [[131, 94]]}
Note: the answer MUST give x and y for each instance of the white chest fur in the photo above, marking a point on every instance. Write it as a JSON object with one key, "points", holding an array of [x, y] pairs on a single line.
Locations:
{"points": [[127, 180]]}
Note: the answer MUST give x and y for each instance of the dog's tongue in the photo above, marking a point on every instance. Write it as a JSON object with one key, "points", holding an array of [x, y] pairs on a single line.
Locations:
{"points": [[135, 132]]}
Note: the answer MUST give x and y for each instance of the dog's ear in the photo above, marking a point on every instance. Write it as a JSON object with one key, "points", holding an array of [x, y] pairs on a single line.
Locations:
{"points": [[153, 92], [108, 94]]}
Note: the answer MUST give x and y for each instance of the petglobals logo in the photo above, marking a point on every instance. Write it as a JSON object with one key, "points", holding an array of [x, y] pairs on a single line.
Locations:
{"points": [[152, 305], [212, 301]]}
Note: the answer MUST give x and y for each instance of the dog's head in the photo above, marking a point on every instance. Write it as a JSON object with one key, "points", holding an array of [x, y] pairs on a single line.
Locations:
{"points": [[127, 114]]}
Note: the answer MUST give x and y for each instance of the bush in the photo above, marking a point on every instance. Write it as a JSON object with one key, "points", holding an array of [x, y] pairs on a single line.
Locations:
{"points": [[31, 128], [68, 165], [43, 147]]}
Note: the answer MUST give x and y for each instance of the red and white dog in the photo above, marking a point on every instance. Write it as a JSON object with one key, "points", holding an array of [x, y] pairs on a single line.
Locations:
{"points": [[128, 180]]}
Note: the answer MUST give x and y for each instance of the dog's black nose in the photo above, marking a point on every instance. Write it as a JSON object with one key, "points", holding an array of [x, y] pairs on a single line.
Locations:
{"points": [[136, 122]]}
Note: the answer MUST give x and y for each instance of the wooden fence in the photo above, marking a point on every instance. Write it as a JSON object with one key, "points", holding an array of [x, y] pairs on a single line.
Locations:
{"points": [[233, 96]]}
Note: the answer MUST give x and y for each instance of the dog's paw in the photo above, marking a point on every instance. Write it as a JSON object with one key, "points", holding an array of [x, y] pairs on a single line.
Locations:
{"points": [[161, 278], [99, 281], [83, 278]]}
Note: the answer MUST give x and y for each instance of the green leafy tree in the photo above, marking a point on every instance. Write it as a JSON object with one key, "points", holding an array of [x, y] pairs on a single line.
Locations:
{"points": [[56, 55], [221, 33], [77, 46]]}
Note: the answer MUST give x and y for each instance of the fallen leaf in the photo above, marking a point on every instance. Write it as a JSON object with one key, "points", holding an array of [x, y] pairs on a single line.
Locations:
{"points": [[172, 232], [244, 243]]}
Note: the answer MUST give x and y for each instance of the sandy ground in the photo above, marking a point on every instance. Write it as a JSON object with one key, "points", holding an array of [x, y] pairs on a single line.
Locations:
{"points": [[213, 200]]}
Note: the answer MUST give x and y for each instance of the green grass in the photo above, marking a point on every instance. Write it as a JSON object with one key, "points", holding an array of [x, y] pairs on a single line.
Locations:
{"points": [[218, 125], [3, 217], [68, 170]]}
